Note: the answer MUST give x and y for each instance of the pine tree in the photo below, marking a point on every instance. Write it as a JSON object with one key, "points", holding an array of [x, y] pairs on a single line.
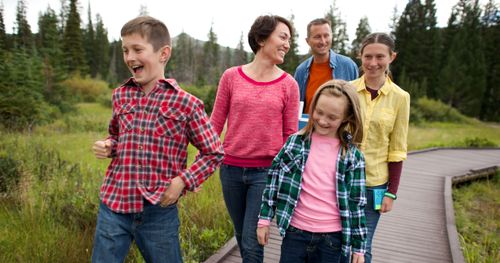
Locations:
{"points": [[227, 58], [409, 32], [463, 78], [72, 41], [339, 32], [50, 51], [3, 36], [394, 22], [292, 58], [208, 70], [182, 58], [240, 56], [118, 71], [24, 37], [490, 24], [89, 45], [429, 50], [362, 31], [101, 51]]}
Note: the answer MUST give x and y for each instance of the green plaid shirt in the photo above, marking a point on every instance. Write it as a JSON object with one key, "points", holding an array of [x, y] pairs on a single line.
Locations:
{"points": [[284, 184]]}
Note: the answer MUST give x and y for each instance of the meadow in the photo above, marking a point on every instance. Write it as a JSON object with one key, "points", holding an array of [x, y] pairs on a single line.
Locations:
{"points": [[50, 182]]}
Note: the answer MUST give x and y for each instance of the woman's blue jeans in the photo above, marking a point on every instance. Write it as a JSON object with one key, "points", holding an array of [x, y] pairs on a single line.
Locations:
{"points": [[242, 188], [155, 231]]}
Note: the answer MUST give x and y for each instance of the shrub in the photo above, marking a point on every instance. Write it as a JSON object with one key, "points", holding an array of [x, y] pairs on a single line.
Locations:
{"points": [[9, 173], [86, 89], [426, 109], [478, 142], [204, 93]]}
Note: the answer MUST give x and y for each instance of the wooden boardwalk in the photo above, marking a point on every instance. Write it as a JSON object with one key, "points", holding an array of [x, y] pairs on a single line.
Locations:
{"points": [[421, 226]]}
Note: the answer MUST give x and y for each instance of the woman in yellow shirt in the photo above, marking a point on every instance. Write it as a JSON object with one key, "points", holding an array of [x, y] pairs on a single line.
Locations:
{"points": [[385, 109]]}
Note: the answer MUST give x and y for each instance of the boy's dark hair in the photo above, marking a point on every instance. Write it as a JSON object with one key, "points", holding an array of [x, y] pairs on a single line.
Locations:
{"points": [[152, 29], [262, 28], [317, 22]]}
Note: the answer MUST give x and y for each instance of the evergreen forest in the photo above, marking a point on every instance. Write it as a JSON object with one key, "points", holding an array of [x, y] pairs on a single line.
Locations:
{"points": [[70, 60]]}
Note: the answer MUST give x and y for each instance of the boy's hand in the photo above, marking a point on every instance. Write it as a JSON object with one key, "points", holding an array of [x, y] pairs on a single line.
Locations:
{"points": [[102, 149], [263, 235], [173, 192], [386, 205]]}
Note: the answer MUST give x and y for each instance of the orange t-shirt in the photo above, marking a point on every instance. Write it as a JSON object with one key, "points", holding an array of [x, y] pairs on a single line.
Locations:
{"points": [[319, 74]]}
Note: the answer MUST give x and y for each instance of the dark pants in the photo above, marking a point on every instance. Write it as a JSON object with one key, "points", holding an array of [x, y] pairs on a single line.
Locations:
{"points": [[301, 246], [242, 189]]}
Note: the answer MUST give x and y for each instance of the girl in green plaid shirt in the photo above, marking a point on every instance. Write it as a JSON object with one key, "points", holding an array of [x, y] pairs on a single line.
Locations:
{"points": [[316, 184]]}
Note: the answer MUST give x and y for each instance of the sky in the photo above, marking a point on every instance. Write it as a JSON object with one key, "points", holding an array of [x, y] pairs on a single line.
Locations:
{"points": [[229, 18]]}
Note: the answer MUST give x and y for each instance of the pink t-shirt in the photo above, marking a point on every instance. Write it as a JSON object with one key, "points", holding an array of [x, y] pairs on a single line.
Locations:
{"points": [[317, 209], [260, 116]]}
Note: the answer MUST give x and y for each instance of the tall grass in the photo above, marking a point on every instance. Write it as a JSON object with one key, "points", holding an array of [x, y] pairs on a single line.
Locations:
{"points": [[49, 216], [56, 200], [477, 210]]}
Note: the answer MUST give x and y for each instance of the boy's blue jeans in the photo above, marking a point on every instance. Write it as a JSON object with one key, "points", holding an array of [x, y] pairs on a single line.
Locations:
{"points": [[301, 246], [155, 231], [242, 189]]}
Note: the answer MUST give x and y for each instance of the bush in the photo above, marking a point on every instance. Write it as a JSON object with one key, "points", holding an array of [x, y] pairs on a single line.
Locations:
{"points": [[86, 89], [9, 173], [425, 109], [477, 142], [205, 93]]}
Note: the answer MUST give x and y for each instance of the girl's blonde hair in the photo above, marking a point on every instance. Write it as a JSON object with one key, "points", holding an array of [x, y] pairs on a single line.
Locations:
{"points": [[351, 129]]}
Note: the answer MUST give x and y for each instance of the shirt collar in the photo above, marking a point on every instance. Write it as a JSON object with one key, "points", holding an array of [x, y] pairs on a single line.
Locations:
{"points": [[386, 88], [164, 83]]}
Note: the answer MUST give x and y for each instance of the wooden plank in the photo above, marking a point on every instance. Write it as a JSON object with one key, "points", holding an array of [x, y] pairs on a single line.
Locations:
{"points": [[418, 227]]}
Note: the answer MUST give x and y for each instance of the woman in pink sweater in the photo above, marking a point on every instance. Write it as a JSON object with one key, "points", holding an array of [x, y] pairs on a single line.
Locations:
{"points": [[260, 103]]}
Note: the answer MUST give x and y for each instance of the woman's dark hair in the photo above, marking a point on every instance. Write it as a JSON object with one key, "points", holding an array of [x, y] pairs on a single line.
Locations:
{"points": [[262, 28]]}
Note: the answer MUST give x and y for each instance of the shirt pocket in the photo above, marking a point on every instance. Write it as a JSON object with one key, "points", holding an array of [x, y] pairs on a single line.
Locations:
{"points": [[126, 117], [170, 123], [386, 119]]}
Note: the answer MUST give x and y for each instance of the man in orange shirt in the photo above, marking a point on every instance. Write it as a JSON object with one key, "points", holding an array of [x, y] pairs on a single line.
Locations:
{"points": [[324, 64]]}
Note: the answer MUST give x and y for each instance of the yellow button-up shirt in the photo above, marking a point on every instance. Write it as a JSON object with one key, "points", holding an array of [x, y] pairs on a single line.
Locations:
{"points": [[385, 128]]}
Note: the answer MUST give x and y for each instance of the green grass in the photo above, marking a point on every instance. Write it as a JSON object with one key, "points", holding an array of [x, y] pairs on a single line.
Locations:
{"points": [[50, 216], [451, 134], [477, 210], [56, 200]]}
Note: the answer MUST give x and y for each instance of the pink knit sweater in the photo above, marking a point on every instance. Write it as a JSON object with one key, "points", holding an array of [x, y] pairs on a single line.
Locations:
{"points": [[260, 116]]}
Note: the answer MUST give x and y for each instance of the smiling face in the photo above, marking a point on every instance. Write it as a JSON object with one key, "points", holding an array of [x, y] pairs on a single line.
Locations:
{"points": [[375, 59], [277, 44], [320, 39], [146, 65], [329, 114]]}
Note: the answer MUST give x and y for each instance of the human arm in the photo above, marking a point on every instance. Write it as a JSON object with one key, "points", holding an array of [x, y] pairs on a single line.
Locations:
{"points": [[270, 194], [202, 136], [397, 150], [395, 169], [107, 148], [221, 105], [291, 110], [357, 201], [263, 231], [358, 258]]}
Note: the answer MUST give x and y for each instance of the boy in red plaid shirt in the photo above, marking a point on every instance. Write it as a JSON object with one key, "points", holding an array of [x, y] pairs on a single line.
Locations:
{"points": [[152, 124]]}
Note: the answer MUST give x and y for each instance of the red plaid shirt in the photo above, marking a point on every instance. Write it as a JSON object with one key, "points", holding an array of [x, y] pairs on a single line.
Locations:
{"points": [[150, 135]]}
